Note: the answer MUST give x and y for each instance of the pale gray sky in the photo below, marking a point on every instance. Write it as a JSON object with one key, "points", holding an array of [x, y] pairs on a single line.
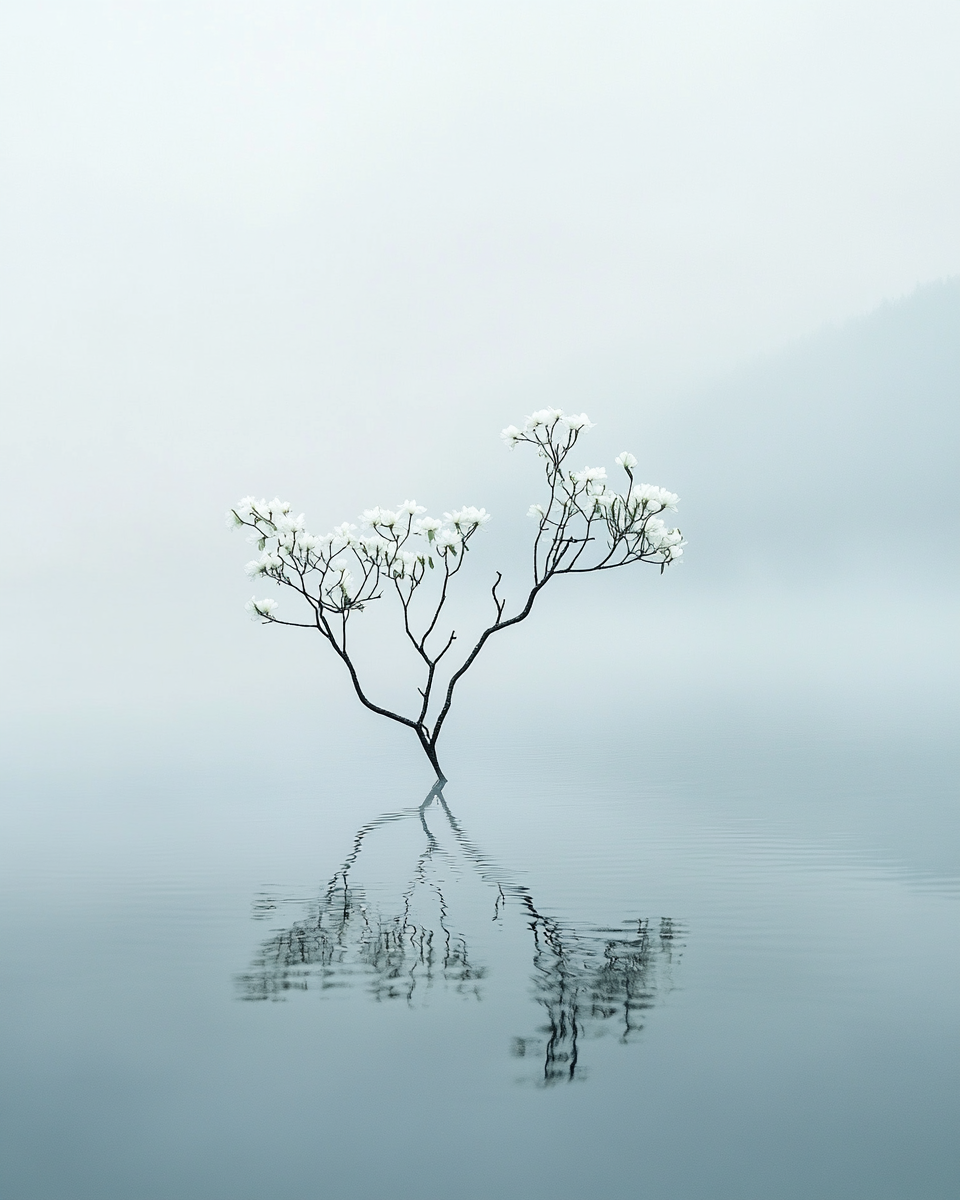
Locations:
{"points": [[317, 247], [487, 189]]}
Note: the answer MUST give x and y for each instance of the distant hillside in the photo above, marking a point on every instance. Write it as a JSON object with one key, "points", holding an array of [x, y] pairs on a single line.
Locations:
{"points": [[841, 454]]}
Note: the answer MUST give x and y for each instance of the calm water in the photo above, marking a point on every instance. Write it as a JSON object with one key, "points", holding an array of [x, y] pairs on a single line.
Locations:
{"points": [[730, 972]]}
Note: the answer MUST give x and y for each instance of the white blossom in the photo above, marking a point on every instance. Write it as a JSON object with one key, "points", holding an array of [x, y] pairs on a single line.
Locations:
{"points": [[536, 510], [380, 517], [589, 475], [258, 609], [404, 563], [288, 524], [467, 519], [653, 531], [341, 579], [427, 527], [411, 508], [626, 460], [656, 498], [269, 562], [374, 545], [241, 513], [273, 509], [578, 423], [447, 539], [546, 416], [512, 436]]}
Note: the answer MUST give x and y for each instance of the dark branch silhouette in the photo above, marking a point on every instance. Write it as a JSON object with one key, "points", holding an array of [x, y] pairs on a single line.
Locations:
{"points": [[583, 528]]}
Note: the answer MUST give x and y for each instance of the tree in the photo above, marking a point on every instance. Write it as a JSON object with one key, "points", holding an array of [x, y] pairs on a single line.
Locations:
{"points": [[582, 527]]}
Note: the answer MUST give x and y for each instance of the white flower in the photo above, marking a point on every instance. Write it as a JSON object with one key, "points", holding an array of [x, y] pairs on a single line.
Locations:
{"points": [[626, 460], [343, 536], [536, 510], [511, 435], [269, 562], [380, 517], [411, 508], [427, 527], [578, 422], [447, 539], [467, 519], [404, 563], [241, 513], [657, 498], [373, 545], [341, 581], [674, 553], [260, 609], [287, 529], [654, 533], [275, 509], [546, 416], [589, 475]]}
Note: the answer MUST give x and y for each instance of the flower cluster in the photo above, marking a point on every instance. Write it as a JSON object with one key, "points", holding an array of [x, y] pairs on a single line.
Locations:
{"points": [[541, 426], [581, 503], [339, 572]]}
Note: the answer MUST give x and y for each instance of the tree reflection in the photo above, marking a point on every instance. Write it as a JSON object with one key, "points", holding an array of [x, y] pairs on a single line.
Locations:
{"points": [[588, 980]]}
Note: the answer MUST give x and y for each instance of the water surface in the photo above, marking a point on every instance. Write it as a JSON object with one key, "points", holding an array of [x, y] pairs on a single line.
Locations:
{"points": [[732, 973]]}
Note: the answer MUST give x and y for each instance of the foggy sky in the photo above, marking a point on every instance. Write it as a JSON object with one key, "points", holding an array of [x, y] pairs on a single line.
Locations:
{"points": [[329, 250]]}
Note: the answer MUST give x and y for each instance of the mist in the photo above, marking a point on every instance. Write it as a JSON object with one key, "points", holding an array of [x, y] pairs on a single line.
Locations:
{"points": [[329, 251]]}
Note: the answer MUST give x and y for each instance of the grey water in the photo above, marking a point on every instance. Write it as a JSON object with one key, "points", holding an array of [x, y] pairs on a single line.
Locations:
{"points": [[722, 964]]}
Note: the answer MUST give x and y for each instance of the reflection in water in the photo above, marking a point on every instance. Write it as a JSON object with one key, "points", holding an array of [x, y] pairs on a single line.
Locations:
{"points": [[587, 980]]}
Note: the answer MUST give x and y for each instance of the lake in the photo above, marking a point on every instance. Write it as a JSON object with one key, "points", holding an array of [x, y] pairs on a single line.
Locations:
{"points": [[721, 965]]}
